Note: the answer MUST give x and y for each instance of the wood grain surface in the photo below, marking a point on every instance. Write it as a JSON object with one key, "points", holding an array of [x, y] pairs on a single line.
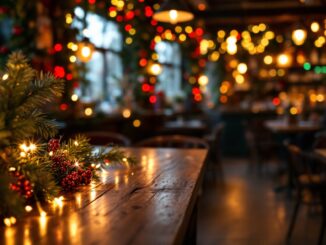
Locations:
{"points": [[148, 204]]}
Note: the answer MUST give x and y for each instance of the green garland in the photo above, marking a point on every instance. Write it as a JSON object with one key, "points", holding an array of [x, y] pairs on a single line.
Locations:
{"points": [[32, 172]]}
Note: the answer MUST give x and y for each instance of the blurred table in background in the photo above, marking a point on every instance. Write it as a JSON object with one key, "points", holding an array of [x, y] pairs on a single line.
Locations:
{"points": [[193, 127], [283, 127]]}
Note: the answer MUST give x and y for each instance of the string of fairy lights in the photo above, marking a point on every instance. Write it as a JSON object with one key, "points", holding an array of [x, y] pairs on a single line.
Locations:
{"points": [[256, 40]]}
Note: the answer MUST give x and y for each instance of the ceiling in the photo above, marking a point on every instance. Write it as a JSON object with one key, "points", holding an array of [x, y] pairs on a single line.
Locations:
{"points": [[243, 12]]}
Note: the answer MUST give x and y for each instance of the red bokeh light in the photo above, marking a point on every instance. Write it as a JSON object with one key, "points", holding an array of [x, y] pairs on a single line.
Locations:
{"points": [[69, 76], [64, 107], [128, 27], [276, 101], [92, 1], [58, 47], [152, 99], [143, 62], [59, 71], [146, 87]]}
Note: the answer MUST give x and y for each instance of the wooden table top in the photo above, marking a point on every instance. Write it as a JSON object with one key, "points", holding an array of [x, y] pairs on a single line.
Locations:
{"points": [[280, 126], [147, 204]]}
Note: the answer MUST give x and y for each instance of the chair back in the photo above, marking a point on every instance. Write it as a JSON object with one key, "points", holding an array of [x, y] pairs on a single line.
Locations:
{"points": [[303, 166], [174, 141], [105, 138], [216, 144], [320, 140]]}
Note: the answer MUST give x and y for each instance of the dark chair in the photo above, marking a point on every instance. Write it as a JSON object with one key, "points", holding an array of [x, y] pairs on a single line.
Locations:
{"points": [[320, 140], [214, 140], [307, 176], [261, 145], [174, 141], [105, 138]]}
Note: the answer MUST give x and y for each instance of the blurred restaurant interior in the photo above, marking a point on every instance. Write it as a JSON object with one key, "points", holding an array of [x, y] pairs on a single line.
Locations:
{"points": [[219, 104]]}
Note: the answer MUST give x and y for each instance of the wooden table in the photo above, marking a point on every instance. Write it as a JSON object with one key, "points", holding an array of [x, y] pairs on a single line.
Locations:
{"points": [[281, 126], [152, 203]]}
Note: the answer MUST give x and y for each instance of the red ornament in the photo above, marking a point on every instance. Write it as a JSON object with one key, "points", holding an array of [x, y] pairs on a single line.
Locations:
{"points": [[69, 76], [145, 87], [58, 47], [91, 1], [148, 11], [128, 27], [143, 62]]}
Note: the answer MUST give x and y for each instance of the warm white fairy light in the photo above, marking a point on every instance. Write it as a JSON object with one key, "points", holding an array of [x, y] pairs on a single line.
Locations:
{"points": [[28, 208], [5, 76]]}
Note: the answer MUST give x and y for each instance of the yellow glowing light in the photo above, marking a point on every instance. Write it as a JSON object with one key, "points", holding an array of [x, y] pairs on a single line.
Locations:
{"points": [[88, 111], [85, 51], [23, 154], [58, 201], [51, 153], [136, 123], [129, 40], [221, 34], [28, 208], [69, 18], [24, 147], [32, 147], [314, 27], [113, 14], [72, 59], [268, 59], [5, 76], [188, 29], [234, 33], [262, 27], [173, 14], [214, 56], [299, 36], [283, 60], [255, 29], [239, 79], [203, 80], [7, 222], [233, 63], [178, 29], [132, 31], [320, 98], [272, 72], [231, 40], [242, 68], [293, 111], [269, 35], [76, 143], [155, 69], [126, 113], [74, 97], [182, 37], [157, 39], [43, 214], [231, 49]]}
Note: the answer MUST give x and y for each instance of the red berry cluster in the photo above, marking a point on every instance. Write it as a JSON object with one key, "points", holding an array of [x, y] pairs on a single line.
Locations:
{"points": [[22, 185], [67, 174], [54, 145], [75, 179]]}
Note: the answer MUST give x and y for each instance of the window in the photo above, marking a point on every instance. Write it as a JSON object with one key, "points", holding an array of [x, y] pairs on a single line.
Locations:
{"points": [[105, 69], [170, 79]]}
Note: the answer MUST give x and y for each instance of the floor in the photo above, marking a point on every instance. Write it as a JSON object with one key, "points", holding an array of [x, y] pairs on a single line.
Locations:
{"points": [[245, 209]]}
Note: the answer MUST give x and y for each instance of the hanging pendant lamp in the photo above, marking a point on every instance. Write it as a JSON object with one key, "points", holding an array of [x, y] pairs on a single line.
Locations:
{"points": [[173, 11]]}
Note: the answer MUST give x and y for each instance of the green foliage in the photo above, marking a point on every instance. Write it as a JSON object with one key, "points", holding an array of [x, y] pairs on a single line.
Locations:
{"points": [[22, 92]]}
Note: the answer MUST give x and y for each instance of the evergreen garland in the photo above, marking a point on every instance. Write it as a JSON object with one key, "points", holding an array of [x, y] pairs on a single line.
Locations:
{"points": [[36, 172]]}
